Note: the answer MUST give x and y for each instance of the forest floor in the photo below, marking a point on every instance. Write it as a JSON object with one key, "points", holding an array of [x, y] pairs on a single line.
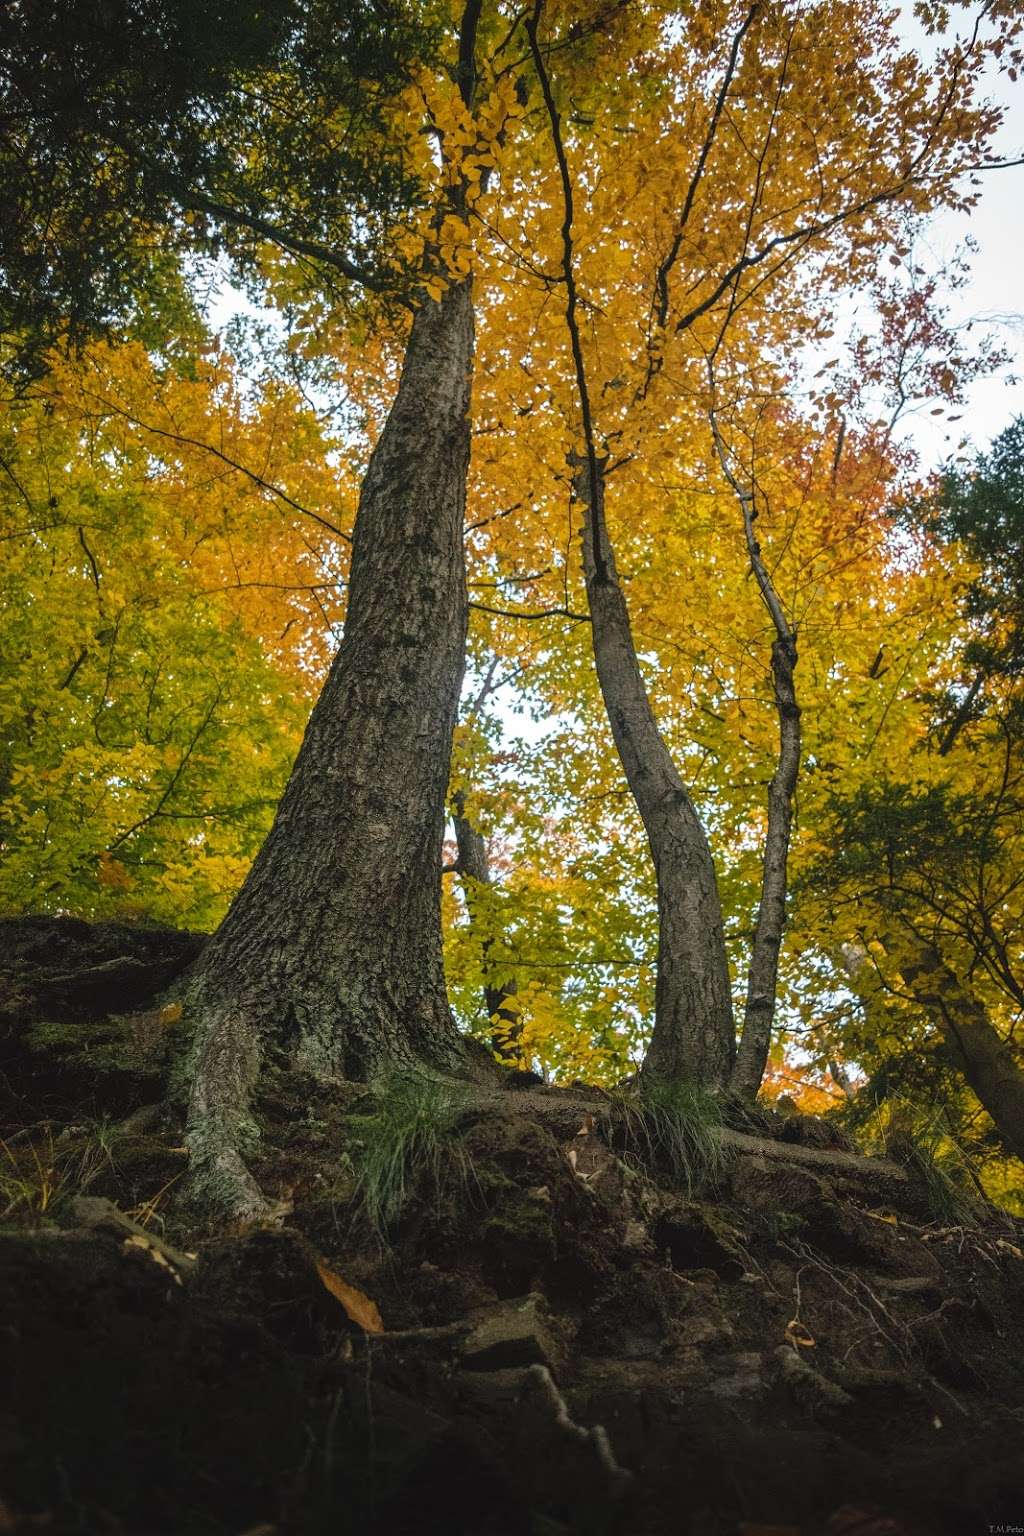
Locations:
{"points": [[556, 1326]]}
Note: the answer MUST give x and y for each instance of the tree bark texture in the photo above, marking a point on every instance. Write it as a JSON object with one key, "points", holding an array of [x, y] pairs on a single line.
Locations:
{"points": [[984, 1057], [474, 868], [330, 956], [693, 1037], [762, 977]]}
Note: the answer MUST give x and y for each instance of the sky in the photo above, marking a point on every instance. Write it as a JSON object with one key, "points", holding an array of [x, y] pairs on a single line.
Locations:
{"points": [[993, 298], [995, 292]]}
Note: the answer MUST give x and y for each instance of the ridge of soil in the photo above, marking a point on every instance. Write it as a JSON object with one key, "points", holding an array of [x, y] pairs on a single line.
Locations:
{"points": [[572, 1340]]}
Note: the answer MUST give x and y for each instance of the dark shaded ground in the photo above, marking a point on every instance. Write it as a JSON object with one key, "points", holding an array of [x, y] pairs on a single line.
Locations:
{"points": [[572, 1344]]}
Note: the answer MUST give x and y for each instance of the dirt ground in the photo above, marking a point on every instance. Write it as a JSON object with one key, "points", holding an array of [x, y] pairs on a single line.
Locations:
{"points": [[570, 1339]]}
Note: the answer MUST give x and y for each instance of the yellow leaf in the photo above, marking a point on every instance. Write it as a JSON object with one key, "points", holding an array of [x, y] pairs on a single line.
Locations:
{"points": [[359, 1307]]}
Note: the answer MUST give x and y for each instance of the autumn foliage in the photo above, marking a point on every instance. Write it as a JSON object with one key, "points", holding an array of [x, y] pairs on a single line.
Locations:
{"points": [[177, 525]]}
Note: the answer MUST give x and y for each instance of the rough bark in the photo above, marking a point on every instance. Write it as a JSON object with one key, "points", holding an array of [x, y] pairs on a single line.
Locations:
{"points": [[474, 868], [330, 956], [693, 1037], [984, 1057]]}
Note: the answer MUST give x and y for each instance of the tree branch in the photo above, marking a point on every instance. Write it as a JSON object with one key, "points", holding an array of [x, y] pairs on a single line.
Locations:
{"points": [[242, 469], [568, 269]]}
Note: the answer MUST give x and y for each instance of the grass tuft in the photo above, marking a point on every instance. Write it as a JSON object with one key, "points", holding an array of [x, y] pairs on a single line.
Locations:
{"points": [[409, 1143], [676, 1126], [39, 1173], [916, 1137]]}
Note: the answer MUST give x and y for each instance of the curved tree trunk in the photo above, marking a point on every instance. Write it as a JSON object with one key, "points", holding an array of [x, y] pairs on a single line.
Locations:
{"points": [[474, 868], [982, 1055], [330, 957], [693, 1036], [977, 1049]]}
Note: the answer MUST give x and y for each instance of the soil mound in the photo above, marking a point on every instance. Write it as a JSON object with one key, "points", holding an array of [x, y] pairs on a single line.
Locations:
{"points": [[545, 1326]]}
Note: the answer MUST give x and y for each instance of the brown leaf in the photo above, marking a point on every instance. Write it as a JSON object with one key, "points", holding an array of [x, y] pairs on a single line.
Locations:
{"points": [[587, 1128], [359, 1307], [796, 1333]]}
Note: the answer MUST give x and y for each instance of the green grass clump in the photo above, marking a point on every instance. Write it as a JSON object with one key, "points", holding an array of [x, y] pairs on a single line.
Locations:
{"points": [[38, 1173], [676, 1126], [408, 1143], [915, 1136]]}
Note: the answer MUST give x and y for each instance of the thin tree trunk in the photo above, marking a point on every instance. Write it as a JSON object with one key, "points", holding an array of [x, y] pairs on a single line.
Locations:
{"points": [[693, 1037], [984, 1057], [330, 957], [474, 868], [763, 972]]}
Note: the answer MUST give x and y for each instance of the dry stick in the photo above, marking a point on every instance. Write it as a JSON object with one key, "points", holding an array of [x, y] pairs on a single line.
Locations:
{"points": [[762, 977], [900, 1340]]}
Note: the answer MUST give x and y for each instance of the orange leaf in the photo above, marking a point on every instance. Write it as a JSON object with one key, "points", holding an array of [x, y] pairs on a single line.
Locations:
{"points": [[359, 1307]]}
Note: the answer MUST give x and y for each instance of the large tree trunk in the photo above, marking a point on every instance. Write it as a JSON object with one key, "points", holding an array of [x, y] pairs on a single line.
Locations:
{"points": [[474, 867], [330, 957], [693, 1038], [984, 1057]]}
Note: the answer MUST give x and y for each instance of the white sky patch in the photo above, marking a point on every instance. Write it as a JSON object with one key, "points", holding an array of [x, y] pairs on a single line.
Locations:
{"points": [[993, 297]]}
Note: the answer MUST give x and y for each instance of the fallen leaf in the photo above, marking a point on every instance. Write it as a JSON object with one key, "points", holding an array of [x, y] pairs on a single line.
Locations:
{"points": [[359, 1307], [587, 1128], [170, 1013], [796, 1333], [139, 1240]]}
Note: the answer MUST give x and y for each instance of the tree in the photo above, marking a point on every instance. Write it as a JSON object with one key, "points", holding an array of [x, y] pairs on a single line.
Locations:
{"points": [[723, 259], [360, 164], [155, 677], [983, 510], [333, 945], [927, 877]]}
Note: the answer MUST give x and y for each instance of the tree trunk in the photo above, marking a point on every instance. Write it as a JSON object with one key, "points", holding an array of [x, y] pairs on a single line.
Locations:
{"points": [[475, 871], [986, 1060], [762, 978], [763, 973], [693, 1036], [330, 957]]}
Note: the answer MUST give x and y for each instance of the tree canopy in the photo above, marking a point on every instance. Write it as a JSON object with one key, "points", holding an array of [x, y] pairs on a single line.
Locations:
{"points": [[662, 218]]}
